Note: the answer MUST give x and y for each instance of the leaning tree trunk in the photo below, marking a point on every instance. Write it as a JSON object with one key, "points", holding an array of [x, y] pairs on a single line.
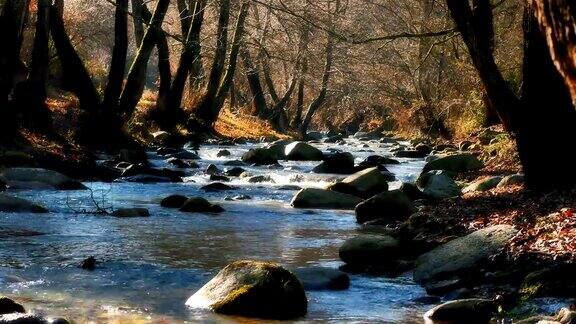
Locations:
{"points": [[258, 102], [548, 116], [137, 19], [119, 54], [557, 18], [136, 79], [75, 75]]}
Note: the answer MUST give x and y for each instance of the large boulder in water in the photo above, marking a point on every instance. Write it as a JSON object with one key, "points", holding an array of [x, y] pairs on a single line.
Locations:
{"points": [[25, 318], [438, 185], [200, 205], [389, 206], [36, 178], [365, 183], [8, 306], [260, 156], [463, 253], [337, 163], [477, 311], [253, 289], [299, 151], [366, 250], [462, 162], [9, 204], [324, 199], [320, 278]]}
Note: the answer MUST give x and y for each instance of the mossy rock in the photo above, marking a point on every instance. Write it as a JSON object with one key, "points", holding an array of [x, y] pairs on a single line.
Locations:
{"points": [[253, 289]]}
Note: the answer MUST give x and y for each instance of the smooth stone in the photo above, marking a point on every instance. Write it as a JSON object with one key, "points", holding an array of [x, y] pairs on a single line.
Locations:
{"points": [[131, 212], [260, 179], [37, 176], [458, 163], [143, 178], [365, 184], [223, 153], [410, 154], [511, 180], [370, 249], [389, 206], [260, 156], [217, 186], [200, 205], [173, 201], [185, 155], [324, 199], [438, 186], [234, 172], [300, 151], [483, 185], [321, 278], [337, 163], [8, 306], [10, 204], [478, 311]]}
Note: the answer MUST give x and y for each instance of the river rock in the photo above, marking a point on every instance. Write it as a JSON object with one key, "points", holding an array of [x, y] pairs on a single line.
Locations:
{"points": [[143, 178], [9, 204], [337, 163], [36, 178], [217, 186], [223, 153], [320, 278], [131, 212], [253, 289], [389, 206], [278, 148], [140, 169], [161, 136], [511, 180], [463, 253], [162, 151], [462, 162], [200, 205], [173, 201], [412, 191], [21, 318], [299, 151], [478, 311], [324, 199], [483, 184], [438, 185], [366, 250], [555, 281], [260, 179], [365, 184], [260, 156], [234, 172], [424, 148], [314, 136], [411, 154], [185, 155], [212, 170], [133, 156], [8, 306], [376, 160]]}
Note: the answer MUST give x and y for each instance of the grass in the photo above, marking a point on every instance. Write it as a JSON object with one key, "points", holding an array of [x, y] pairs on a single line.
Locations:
{"points": [[240, 125]]}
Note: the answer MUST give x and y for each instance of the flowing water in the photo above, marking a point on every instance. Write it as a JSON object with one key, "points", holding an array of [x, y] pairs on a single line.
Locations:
{"points": [[150, 266]]}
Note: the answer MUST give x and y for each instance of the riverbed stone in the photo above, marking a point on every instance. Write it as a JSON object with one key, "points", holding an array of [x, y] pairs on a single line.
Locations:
{"points": [[145, 178], [322, 278], [24, 318], [161, 136], [438, 185], [463, 253], [37, 178], [217, 186], [185, 155], [365, 183], [554, 281], [337, 163], [462, 162], [260, 179], [253, 289], [234, 172], [478, 311], [368, 249], [212, 170], [511, 180], [377, 160], [10, 204], [223, 153], [389, 206], [482, 185], [8, 306], [131, 212], [411, 154], [300, 151], [260, 156], [324, 199], [173, 201], [200, 205]]}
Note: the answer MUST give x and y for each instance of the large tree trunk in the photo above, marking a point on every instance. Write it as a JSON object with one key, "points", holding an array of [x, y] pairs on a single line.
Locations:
{"points": [[137, 75], [75, 75], [557, 19], [119, 54], [258, 102], [137, 17], [476, 27], [545, 126]]}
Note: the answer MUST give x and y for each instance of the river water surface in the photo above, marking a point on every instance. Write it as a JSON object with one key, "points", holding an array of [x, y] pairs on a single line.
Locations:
{"points": [[150, 266]]}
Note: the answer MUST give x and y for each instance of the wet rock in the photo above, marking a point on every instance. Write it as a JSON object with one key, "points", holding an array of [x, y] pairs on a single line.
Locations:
{"points": [[260, 179], [8, 306], [278, 148], [223, 153], [161, 136], [320, 278], [217, 177], [483, 184], [36, 178], [177, 163], [142, 178], [465, 145], [337, 163], [234, 163], [89, 264], [166, 151], [324, 199], [200, 205], [212, 169], [133, 156], [139, 169], [442, 287], [464, 253], [511, 180], [131, 212], [192, 146], [21, 318], [299, 151], [173, 201], [253, 289], [556, 281], [314, 136], [10, 204], [438, 186], [389, 206], [411, 154], [185, 155], [260, 156], [289, 188], [238, 198], [234, 172], [333, 139], [367, 250], [462, 162], [412, 191], [376, 160], [217, 186], [463, 311], [365, 184], [424, 148]]}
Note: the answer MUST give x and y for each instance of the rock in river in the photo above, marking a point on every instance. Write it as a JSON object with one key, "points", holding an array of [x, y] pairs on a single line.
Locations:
{"points": [[370, 250], [388, 206], [260, 156], [217, 186], [324, 199], [9, 204], [463, 253], [365, 184], [200, 205], [299, 151], [131, 212], [36, 178], [337, 163], [8, 306], [320, 278], [475, 311], [253, 289], [438, 185], [173, 201]]}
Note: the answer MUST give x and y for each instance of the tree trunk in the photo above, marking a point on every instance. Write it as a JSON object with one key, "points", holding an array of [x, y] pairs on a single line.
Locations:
{"points": [[137, 17], [258, 102], [137, 75], [557, 19], [548, 116], [75, 75], [119, 54]]}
